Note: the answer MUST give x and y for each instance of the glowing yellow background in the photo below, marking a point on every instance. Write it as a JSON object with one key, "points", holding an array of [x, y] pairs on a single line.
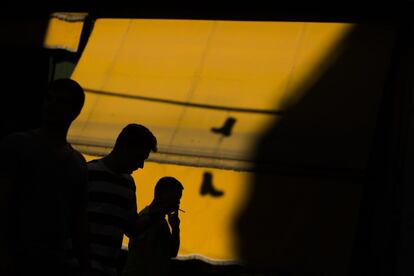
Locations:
{"points": [[250, 65], [256, 65], [206, 225]]}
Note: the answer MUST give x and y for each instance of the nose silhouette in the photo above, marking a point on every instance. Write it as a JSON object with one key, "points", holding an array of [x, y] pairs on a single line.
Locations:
{"points": [[207, 187], [227, 127]]}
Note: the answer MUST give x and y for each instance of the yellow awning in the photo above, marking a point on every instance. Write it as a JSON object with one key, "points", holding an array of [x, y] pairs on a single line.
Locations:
{"points": [[64, 31], [181, 78]]}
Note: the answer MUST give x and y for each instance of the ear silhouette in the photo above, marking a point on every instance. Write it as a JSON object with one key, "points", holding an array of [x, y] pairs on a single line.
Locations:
{"points": [[226, 128], [207, 187]]}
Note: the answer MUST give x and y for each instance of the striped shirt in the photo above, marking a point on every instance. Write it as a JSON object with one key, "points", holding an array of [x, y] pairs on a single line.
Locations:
{"points": [[111, 208]]}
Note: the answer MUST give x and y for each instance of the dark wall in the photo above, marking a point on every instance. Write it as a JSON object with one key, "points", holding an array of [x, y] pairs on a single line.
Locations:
{"points": [[324, 163], [24, 74]]}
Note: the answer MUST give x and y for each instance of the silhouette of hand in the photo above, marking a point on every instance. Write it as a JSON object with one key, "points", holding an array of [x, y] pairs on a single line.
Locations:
{"points": [[162, 208], [173, 219]]}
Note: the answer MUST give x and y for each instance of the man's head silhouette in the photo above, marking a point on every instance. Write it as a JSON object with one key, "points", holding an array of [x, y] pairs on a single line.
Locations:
{"points": [[63, 102], [168, 192], [132, 147]]}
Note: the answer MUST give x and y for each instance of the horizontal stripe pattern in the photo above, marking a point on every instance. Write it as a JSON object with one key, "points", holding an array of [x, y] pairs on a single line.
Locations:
{"points": [[112, 202], [102, 186]]}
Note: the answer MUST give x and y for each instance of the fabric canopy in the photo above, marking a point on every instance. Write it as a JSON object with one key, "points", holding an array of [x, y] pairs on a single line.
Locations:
{"points": [[182, 78], [64, 31], [208, 90]]}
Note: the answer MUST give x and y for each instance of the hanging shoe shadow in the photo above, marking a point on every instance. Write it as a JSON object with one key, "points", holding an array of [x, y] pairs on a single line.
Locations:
{"points": [[207, 187], [227, 127]]}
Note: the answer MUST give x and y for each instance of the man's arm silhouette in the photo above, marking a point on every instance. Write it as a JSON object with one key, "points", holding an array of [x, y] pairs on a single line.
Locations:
{"points": [[140, 223], [174, 222]]}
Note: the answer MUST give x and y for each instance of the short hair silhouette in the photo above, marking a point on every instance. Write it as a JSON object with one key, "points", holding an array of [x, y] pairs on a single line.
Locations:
{"points": [[167, 184], [71, 88], [134, 134]]}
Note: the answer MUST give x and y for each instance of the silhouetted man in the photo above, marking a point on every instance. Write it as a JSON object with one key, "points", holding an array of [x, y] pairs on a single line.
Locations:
{"points": [[112, 207], [43, 192], [149, 252]]}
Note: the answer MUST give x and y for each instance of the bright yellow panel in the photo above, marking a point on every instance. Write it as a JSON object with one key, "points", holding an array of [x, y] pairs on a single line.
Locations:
{"points": [[177, 129], [62, 34], [144, 57], [209, 62], [106, 116], [206, 225], [227, 65]]}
